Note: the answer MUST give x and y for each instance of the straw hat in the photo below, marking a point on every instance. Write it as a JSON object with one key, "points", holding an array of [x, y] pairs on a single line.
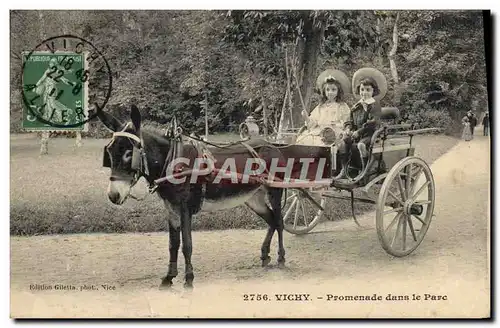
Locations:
{"points": [[376, 75], [333, 74]]}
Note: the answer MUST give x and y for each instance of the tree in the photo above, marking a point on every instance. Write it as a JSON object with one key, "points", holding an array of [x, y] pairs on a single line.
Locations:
{"points": [[311, 36], [168, 61], [443, 60]]}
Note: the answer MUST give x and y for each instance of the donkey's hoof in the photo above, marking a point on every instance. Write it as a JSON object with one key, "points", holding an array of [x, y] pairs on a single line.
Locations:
{"points": [[188, 285], [165, 286], [166, 283], [266, 261], [281, 265]]}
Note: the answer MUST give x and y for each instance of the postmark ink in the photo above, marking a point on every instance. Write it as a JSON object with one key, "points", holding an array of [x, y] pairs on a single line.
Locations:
{"points": [[57, 84]]}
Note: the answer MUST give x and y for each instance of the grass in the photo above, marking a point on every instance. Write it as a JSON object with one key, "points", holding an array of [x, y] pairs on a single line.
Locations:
{"points": [[65, 191]]}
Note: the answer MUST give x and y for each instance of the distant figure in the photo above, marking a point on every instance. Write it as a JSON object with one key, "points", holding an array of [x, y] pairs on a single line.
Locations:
{"points": [[472, 120], [486, 124], [466, 133]]}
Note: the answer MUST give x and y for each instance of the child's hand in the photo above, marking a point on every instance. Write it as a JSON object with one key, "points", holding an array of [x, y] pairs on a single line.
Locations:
{"points": [[355, 135]]}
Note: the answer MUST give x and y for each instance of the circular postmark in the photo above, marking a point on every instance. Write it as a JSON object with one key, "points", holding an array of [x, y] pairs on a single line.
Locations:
{"points": [[67, 87]]}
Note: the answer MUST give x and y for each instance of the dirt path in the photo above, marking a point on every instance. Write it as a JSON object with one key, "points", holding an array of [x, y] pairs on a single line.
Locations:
{"points": [[336, 259]]}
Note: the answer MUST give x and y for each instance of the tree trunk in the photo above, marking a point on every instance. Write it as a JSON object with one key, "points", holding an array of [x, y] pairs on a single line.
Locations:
{"points": [[264, 114], [206, 116], [309, 48], [392, 62], [285, 119], [78, 139], [44, 140], [44, 143]]}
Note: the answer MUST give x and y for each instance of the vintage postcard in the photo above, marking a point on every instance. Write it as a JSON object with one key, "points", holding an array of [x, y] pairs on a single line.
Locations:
{"points": [[250, 164]]}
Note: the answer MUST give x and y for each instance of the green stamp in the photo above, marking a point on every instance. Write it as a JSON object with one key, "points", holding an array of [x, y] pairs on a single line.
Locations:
{"points": [[60, 75], [55, 86]]}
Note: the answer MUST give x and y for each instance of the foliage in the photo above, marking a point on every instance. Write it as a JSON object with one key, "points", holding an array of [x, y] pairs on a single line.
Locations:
{"points": [[167, 62], [431, 118], [444, 60]]}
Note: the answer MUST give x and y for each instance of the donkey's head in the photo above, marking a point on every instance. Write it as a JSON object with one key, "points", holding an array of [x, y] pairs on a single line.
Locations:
{"points": [[123, 154]]}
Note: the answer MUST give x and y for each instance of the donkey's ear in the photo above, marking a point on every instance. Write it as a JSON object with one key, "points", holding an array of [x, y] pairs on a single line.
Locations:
{"points": [[135, 116], [109, 121]]}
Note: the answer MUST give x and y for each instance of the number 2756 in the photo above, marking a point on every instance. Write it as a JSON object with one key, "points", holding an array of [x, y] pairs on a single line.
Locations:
{"points": [[255, 297]]}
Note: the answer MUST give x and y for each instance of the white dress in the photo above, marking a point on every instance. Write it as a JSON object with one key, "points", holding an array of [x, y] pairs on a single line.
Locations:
{"points": [[332, 115]]}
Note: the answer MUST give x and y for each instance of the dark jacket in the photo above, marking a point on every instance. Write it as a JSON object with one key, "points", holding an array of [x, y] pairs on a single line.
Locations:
{"points": [[473, 120], [486, 121], [364, 122]]}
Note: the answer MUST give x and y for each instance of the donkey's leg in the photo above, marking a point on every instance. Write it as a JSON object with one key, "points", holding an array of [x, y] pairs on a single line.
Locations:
{"points": [[266, 246], [187, 245], [258, 204], [174, 242], [275, 195]]}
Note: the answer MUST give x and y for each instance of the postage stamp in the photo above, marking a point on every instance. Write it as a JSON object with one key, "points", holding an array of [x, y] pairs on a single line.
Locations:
{"points": [[56, 84], [251, 164], [52, 96]]}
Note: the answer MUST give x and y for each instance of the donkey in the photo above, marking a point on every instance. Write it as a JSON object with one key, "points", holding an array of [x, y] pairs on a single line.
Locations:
{"points": [[136, 151]]}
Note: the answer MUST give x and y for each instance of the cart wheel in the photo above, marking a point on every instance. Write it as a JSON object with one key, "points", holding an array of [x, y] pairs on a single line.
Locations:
{"points": [[405, 206], [300, 214]]}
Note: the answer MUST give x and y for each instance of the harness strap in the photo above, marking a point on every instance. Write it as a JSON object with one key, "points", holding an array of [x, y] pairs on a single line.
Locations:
{"points": [[250, 149], [175, 150], [254, 154], [128, 135], [202, 149]]}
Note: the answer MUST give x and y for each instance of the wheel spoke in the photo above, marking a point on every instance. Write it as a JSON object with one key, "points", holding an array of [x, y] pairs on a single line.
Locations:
{"points": [[410, 224], [312, 200], [315, 206], [392, 210], [414, 197], [420, 219], [296, 218], [416, 173], [422, 202], [395, 197], [397, 217], [304, 213], [287, 214], [401, 188], [408, 181], [404, 231], [397, 233], [415, 178]]}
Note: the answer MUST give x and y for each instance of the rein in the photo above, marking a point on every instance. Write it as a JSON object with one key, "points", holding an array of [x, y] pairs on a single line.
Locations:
{"points": [[239, 142]]}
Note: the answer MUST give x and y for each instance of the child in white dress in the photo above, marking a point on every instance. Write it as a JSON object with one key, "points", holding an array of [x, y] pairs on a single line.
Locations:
{"points": [[331, 112]]}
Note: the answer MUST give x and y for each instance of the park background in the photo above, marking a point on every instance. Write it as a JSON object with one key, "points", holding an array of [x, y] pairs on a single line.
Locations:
{"points": [[235, 63]]}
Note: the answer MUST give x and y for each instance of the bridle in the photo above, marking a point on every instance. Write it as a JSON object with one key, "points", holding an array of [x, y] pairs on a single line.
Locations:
{"points": [[139, 164]]}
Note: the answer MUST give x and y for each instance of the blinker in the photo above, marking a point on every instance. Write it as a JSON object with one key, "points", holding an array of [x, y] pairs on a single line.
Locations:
{"points": [[136, 159], [106, 161]]}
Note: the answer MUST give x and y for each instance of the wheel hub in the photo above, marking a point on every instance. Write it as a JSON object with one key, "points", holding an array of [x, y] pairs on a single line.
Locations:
{"points": [[410, 208]]}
